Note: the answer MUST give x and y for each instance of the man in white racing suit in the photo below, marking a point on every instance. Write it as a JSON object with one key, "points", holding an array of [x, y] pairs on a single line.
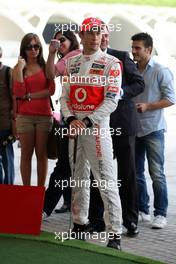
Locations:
{"points": [[91, 92]]}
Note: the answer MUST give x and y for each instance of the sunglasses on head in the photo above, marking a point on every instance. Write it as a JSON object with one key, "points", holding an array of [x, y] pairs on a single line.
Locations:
{"points": [[62, 39], [35, 46]]}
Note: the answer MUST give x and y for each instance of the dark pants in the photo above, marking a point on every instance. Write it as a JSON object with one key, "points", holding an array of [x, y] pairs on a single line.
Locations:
{"points": [[62, 172], [124, 151], [7, 169]]}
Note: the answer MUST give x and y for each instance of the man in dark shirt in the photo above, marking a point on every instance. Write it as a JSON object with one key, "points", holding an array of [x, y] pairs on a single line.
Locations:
{"points": [[122, 119], [7, 171]]}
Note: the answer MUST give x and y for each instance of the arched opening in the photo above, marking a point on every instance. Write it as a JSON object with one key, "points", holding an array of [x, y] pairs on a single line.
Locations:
{"points": [[55, 23], [10, 37], [120, 39]]}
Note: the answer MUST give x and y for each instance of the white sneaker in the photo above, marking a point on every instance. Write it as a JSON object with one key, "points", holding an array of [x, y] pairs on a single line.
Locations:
{"points": [[159, 221], [44, 216], [144, 217]]}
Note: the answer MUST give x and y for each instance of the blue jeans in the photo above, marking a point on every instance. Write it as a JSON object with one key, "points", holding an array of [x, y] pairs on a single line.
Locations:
{"points": [[151, 146], [7, 170]]}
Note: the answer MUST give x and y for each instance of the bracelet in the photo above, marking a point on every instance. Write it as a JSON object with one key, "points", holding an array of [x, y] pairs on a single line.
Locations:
{"points": [[28, 97]]}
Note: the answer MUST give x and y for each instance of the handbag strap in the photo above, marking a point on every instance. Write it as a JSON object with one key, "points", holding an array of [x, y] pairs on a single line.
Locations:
{"points": [[51, 104]]}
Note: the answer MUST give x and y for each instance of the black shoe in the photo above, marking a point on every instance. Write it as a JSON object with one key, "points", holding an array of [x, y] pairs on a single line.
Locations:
{"points": [[65, 208], [78, 232], [115, 242], [132, 230], [95, 227]]}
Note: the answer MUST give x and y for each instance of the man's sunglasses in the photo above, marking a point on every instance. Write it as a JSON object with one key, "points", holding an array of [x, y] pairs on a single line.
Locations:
{"points": [[35, 46], [62, 39]]}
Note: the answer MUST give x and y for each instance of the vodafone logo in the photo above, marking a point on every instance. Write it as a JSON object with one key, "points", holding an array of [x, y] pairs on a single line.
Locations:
{"points": [[80, 95]]}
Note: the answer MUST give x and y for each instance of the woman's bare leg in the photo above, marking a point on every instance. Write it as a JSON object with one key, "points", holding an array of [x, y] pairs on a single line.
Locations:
{"points": [[27, 148], [41, 154]]}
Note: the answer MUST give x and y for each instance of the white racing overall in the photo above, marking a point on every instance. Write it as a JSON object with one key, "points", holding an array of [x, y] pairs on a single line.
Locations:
{"points": [[93, 90]]}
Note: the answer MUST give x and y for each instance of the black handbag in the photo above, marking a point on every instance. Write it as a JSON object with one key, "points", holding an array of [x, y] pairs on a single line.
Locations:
{"points": [[53, 139]]}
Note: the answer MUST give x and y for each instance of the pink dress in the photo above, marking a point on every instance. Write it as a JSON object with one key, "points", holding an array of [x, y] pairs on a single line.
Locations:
{"points": [[60, 65]]}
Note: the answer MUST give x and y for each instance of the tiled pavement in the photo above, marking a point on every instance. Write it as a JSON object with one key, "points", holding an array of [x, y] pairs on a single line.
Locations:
{"points": [[156, 244]]}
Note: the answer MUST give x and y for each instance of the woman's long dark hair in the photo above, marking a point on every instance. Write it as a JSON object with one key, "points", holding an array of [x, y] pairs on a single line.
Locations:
{"points": [[72, 37], [25, 42]]}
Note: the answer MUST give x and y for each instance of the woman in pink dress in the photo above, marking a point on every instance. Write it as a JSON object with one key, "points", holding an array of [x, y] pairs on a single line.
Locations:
{"points": [[68, 47]]}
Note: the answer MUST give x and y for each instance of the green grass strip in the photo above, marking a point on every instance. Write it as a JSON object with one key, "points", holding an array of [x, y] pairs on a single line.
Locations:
{"points": [[86, 247], [158, 3]]}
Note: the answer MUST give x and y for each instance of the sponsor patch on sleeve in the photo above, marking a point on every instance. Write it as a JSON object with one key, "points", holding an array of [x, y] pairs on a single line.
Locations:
{"points": [[114, 89], [111, 95], [114, 73]]}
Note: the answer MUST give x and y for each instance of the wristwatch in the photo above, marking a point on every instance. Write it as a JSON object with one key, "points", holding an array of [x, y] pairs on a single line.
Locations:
{"points": [[87, 122]]}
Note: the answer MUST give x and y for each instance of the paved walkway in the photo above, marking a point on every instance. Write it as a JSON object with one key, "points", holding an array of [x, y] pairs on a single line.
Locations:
{"points": [[156, 244]]}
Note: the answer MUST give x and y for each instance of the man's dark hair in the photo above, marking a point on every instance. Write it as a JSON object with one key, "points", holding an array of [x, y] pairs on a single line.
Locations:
{"points": [[145, 37]]}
